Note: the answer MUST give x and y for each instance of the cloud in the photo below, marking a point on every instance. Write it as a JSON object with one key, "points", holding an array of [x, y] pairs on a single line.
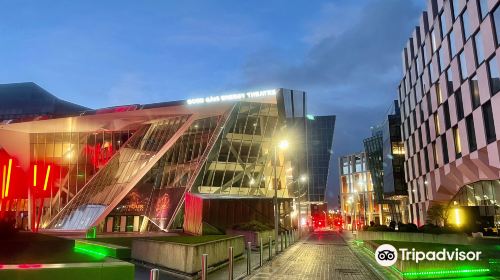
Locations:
{"points": [[351, 69]]}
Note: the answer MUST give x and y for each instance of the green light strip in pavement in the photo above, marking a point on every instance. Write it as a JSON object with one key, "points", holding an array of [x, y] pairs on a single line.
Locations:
{"points": [[90, 252], [449, 272], [439, 272]]}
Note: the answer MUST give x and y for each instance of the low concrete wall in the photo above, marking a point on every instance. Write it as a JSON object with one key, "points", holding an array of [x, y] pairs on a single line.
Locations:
{"points": [[253, 236], [414, 237], [185, 257], [116, 270]]}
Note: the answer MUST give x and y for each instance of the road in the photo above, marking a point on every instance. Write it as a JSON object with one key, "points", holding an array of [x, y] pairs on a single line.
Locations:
{"points": [[323, 255]]}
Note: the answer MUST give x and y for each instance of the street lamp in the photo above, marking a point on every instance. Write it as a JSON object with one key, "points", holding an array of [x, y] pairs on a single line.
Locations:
{"points": [[282, 145]]}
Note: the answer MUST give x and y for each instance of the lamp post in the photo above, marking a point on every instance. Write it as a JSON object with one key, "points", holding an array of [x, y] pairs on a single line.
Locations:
{"points": [[282, 145]]}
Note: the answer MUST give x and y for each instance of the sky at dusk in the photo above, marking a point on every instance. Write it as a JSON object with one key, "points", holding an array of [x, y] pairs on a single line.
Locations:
{"points": [[345, 54]]}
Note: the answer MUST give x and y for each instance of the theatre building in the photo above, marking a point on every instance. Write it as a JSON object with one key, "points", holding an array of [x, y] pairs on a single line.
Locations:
{"points": [[191, 164]]}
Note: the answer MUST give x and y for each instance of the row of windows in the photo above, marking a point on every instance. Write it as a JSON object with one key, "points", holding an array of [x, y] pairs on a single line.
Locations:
{"points": [[474, 95], [478, 45], [489, 128]]}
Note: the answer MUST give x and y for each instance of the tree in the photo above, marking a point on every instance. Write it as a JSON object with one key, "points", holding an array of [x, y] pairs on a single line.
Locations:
{"points": [[437, 214]]}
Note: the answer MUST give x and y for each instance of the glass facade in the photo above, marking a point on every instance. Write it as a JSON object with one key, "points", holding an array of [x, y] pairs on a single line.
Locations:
{"points": [[319, 158], [112, 180], [357, 197], [484, 197]]}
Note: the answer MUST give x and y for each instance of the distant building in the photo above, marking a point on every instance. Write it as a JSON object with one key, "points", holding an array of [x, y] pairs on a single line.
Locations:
{"points": [[27, 101], [385, 153], [450, 112], [320, 131], [357, 196]]}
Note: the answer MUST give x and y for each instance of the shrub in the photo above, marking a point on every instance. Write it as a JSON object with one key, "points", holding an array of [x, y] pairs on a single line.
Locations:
{"points": [[7, 228], [410, 227], [434, 229], [378, 228], [252, 226]]}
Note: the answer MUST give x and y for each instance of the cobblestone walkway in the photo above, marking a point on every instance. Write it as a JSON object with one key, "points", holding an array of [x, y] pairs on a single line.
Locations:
{"points": [[324, 255]]}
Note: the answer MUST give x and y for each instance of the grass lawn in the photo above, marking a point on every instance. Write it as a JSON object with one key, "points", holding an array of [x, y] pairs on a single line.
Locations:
{"points": [[127, 241], [33, 248]]}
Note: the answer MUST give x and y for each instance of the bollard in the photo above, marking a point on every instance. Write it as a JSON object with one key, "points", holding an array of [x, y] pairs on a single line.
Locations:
{"points": [[249, 258], [154, 274], [292, 237], [261, 251], [204, 266], [281, 241], [230, 267], [270, 247]]}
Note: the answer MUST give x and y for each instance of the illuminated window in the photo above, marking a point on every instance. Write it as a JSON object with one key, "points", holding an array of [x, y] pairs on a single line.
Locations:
{"points": [[458, 145], [436, 124], [439, 96], [398, 148]]}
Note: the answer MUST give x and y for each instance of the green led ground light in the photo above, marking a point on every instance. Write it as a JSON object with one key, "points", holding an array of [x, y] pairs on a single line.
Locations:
{"points": [[461, 272], [465, 272], [92, 252]]}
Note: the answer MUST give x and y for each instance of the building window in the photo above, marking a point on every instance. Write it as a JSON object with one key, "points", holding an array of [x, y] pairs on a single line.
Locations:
{"points": [[483, 7], [426, 157], [398, 148], [441, 59], [444, 145], [433, 40], [489, 124], [458, 145], [459, 104], [442, 21], [453, 49], [456, 11], [496, 19], [436, 124], [432, 74], [439, 96], [435, 155], [471, 133], [466, 25], [449, 79], [493, 75], [478, 43], [427, 132], [429, 105], [446, 110], [463, 66], [474, 91]]}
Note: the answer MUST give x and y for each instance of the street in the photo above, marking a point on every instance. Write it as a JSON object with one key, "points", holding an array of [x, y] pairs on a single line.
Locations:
{"points": [[323, 255]]}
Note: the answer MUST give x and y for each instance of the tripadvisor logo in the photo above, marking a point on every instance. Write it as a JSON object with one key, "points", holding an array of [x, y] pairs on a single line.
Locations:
{"points": [[387, 255]]}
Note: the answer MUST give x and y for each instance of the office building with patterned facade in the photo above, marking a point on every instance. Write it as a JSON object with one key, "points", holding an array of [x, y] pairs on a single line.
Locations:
{"points": [[357, 197], [154, 167], [450, 112], [385, 160]]}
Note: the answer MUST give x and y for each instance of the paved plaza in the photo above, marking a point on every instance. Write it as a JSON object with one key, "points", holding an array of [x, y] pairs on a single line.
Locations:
{"points": [[323, 255]]}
